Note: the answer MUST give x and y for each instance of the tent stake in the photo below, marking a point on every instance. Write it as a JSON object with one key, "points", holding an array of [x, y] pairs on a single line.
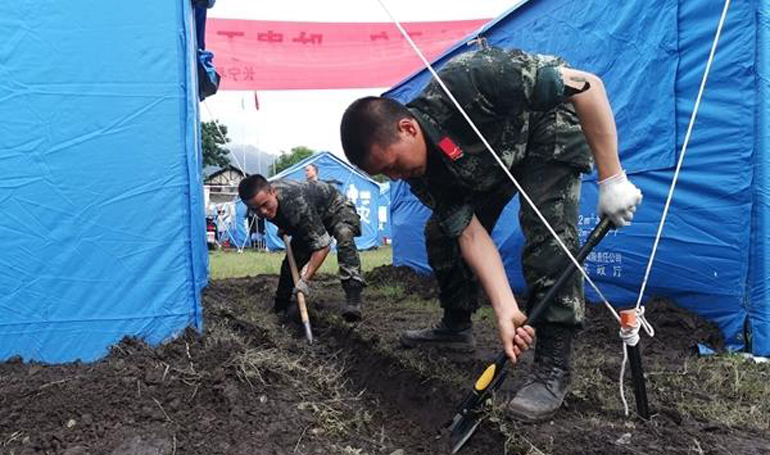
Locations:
{"points": [[629, 321]]}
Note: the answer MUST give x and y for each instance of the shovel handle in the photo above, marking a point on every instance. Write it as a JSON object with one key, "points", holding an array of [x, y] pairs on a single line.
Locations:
{"points": [[300, 296], [494, 375], [596, 236]]}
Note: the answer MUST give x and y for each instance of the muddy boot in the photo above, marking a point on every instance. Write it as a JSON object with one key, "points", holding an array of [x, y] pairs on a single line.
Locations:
{"points": [[548, 382], [292, 313], [454, 334], [280, 305], [351, 311], [287, 309]]}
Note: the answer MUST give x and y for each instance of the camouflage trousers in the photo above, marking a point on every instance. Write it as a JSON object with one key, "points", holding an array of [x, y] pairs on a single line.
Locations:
{"points": [[554, 187], [344, 232]]}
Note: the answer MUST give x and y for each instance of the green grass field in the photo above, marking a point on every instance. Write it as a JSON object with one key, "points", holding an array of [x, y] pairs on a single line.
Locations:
{"points": [[232, 264]]}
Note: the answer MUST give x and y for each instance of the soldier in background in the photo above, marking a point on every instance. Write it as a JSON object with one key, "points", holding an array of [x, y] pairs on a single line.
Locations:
{"points": [[530, 108], [311, 173], [311, 213]]}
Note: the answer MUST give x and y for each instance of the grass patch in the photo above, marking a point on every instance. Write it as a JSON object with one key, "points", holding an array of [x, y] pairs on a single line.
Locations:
{"points": [[319, 382], [232, 264], [391, 292], [726, 389]]}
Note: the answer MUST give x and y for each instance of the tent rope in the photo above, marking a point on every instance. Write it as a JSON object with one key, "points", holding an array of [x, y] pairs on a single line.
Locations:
{"points": [[247, 237], [683, 152], [224, 139], [489, 148]]}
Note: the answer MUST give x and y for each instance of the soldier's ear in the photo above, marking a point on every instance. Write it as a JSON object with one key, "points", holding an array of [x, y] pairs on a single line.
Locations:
{"points": [[408, 126]]}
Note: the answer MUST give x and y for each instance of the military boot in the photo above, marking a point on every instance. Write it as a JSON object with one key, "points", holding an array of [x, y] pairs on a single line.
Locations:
{"points": [[448, 334], [548, 382], [287, 309], [351, 311], [280, 304]]}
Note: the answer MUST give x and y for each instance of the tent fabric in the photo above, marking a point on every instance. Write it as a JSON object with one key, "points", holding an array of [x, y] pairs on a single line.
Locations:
{"points": [[230, 220], [358, 187], [276, 55], [101, 204], [652, 56], [234, 224], [759, 263]]}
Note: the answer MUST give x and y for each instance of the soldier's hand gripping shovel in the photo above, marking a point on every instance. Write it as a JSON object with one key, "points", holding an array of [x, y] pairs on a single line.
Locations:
{"points": [[300, 296], [468, 415]]}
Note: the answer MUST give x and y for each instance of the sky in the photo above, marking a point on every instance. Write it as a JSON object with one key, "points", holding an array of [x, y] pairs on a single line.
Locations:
{"points": [[290, 118]]}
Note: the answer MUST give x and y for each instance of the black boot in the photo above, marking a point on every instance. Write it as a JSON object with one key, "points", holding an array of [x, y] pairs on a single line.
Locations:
{"points": [[287, 309], [548, 382], [351, 311], [454, 334], [280, 305]]}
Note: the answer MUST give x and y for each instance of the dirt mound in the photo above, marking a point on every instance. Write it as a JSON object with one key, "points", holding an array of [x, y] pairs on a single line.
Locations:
{"points": [[424, 286], [677, 331], [232, 391], [251, 385]]}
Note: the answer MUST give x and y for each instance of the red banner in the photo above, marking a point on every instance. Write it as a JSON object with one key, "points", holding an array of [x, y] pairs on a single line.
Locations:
{"points": [[270, 55]]}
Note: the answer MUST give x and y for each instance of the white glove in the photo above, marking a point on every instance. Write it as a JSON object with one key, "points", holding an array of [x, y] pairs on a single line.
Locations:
{"points": [[618, 198], [301, 286]]}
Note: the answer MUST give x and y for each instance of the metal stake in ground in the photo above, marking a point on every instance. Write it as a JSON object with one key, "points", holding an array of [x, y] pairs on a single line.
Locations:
{"points": [[629, 321], [468, 417], [300, 296]]}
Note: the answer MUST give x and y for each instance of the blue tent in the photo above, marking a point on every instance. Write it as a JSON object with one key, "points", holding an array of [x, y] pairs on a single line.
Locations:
{"points": [[712, 257], [101, 204], [357, 186], [385, 229], [232, 224]]}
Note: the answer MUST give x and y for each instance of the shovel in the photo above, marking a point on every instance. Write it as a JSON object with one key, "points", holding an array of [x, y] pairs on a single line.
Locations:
{"points": [[468, 417], [300, 296]]}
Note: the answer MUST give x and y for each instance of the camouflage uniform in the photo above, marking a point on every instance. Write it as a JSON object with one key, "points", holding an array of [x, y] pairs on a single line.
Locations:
{"points": [[517, 102], [312, 213]]}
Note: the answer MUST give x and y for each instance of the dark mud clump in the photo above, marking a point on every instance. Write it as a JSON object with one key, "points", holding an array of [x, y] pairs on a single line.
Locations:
{"points": [[424, 286]]}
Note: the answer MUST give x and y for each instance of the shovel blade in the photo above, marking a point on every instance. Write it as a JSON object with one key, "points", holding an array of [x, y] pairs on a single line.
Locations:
{"points": [[308, 333], [462, 431]]}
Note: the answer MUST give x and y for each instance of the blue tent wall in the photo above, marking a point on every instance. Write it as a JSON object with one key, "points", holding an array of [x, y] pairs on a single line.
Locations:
{"points": [[241, 233], [101, 203], [651, 56], [351, 183], [758, 301]]}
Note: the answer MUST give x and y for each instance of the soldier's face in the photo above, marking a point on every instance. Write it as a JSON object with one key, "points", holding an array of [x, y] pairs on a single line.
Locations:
{"points": [[310, 173], [265, 203], [404, 159]]}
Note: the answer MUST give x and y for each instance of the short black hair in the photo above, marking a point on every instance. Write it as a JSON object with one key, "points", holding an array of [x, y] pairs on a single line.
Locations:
{"points": [[313, 166], [251, 185], [370, 121]]}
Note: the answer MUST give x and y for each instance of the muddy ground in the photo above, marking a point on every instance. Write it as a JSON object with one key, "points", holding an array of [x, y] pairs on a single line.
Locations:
{"points": [[251, 385]]}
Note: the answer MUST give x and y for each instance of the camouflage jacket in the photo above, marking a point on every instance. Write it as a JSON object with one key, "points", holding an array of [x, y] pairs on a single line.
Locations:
{"points": [[515, 99], [311, 210]]}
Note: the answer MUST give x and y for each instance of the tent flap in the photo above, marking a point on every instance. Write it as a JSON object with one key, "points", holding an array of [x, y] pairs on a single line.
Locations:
{"points": [[101, 216]]}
